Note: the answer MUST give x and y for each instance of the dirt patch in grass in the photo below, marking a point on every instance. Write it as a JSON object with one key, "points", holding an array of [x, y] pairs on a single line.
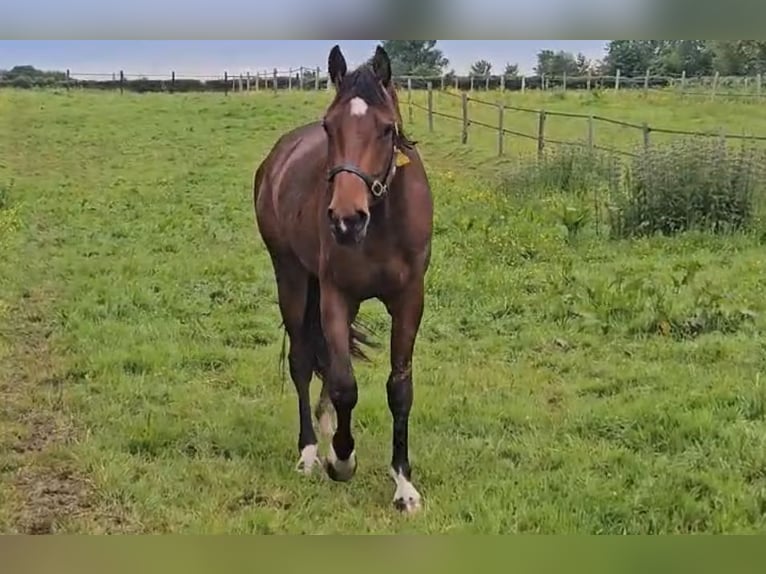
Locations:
{"points": [[46, 489]]}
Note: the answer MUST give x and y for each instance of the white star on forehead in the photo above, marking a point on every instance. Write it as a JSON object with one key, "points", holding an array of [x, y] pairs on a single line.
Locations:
{"points": [[358, 107]]}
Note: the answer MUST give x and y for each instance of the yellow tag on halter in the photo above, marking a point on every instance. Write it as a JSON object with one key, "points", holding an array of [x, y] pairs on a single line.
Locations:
{"points": [[401, 159]]}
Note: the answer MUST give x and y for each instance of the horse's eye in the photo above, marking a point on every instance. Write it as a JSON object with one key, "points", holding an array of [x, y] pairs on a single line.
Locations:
{"points": [[324, 124], [388, 130]]}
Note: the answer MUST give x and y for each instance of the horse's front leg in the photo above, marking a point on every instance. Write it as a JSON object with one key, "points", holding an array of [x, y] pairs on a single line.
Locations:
{"points": [[336, 319], [406, 311]]}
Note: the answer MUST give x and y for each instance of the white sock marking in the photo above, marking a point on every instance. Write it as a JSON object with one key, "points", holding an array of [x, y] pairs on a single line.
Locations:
{"points": [[406, 497], [326, 425], [308, 460], [358, 107], [343, 468]]}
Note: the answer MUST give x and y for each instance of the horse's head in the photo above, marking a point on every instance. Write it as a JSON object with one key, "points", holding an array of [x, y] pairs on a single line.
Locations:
{"points": [[363, 131]]}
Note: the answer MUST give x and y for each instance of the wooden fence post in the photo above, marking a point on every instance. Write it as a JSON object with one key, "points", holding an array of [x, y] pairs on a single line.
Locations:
{"points": [[646, 82], [486, 83], [442, 82], [300, 78], [464, 134], [241, 81], [646, 129], [248, 82], [122, 81], [471, 82], [457, 83], [500, 128], [289, 79], [589, 79], [590, 133], [564, 81], [715, 86], [502, 83], [225, 83], [316, 79], [257, 81], [523, 84], [68, 79], [541, 135], [409, 99], [430, 107], [617, 81], [275, 81]]}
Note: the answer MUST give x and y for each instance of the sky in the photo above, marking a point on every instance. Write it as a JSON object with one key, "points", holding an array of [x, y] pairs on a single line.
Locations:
{"points": [[212, 57]]}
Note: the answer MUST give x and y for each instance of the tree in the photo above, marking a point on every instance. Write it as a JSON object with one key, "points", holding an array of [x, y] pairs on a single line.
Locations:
{"points": [[415, 57], [583, 64], [481, 68], [739, 57], [663, 57], [631, 57], [552, 63], [511, 70], [28, 76], [695, 57]]}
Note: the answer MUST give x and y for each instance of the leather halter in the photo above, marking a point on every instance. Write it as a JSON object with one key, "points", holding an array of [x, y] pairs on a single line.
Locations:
{"points": [[377, 185]]}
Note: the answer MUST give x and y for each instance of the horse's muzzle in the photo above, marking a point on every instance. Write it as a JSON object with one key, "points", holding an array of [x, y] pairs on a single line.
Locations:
{"points": [[348, 230]]}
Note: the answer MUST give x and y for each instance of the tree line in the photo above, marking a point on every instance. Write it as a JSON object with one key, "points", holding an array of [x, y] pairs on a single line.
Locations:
{"points": [[632, 57], [424, 58]]}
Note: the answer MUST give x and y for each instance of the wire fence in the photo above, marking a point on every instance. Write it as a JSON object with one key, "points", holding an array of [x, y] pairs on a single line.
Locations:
{"points": [[540, 136], [315, 78]]}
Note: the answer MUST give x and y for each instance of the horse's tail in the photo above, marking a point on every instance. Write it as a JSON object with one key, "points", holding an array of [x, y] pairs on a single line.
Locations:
{"points": [[360, 336]]}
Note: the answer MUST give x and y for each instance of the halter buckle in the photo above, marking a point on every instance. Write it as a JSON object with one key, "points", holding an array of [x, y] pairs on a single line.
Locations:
{"points": [[377, 188]]}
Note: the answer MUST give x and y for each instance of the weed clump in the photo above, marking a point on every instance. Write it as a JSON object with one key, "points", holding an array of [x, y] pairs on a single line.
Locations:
{"points": [[686, 185]]}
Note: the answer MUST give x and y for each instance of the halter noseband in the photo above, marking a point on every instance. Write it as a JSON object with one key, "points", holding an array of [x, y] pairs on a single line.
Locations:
{"points": [[377, 185]]}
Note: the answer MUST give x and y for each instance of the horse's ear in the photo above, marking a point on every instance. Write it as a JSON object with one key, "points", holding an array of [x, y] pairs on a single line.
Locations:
{"points": [[381, 65], [336, 66]]}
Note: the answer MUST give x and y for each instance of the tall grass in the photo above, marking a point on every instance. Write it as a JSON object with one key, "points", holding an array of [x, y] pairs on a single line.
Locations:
{"points": [[694, 184], [687, 185], [571, 170]]}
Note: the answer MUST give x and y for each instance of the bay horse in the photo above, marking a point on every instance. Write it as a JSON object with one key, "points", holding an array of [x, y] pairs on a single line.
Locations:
{"points": [[344, 208]]}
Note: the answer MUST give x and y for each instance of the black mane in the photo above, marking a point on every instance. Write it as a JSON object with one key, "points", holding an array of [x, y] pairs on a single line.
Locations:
{"points": [[363, 83]]}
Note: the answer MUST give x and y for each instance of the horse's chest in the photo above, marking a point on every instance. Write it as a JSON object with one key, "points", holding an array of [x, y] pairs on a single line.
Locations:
{"points": [[371, 276]]}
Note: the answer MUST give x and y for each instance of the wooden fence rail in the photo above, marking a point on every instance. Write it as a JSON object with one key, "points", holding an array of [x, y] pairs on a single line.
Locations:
{"points": [[542, 114]]}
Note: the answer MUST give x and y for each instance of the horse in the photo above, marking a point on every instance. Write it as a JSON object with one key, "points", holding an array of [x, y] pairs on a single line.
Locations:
{"points": [[344, 208]]}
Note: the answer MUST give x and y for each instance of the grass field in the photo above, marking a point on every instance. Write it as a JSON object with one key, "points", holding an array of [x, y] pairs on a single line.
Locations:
{"points": [[562, 384], [663, 109]]}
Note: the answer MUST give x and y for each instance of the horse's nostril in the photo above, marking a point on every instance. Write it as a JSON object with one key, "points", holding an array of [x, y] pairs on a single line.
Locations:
{"points": [[361, 216], [330, 213]]}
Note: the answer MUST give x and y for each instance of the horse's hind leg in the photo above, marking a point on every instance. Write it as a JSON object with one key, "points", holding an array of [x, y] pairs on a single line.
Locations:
{"points": [[292, 287], [325, 413]]}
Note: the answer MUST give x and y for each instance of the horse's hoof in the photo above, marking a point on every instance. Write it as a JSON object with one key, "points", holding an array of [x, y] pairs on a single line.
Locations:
{"points": [[340, 470], [406, 498], [308, 461], [407, 505]]}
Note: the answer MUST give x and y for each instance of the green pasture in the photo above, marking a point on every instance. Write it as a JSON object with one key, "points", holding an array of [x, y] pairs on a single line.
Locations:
{"points": [[563, 382]]}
